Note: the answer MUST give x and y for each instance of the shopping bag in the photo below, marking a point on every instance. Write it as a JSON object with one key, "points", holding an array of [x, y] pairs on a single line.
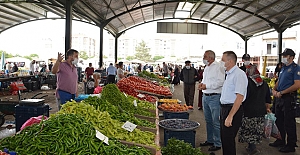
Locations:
{"points": [[98, 90], [33, 120], [270, 128], [268, 124]]}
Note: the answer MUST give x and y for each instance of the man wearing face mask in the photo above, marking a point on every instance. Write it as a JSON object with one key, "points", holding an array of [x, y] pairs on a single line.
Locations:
{"points": [[233, 93], [67, 77], [246, 60], [189, 76], [285, 111], [211, 85]]}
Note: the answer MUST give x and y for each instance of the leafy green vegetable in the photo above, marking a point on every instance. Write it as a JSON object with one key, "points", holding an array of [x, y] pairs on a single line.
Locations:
{"points": [[179, 147]]}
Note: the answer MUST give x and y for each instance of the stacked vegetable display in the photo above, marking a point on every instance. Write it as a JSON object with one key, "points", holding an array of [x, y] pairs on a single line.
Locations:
{"points": [[179, 147], [140, 84], [64, 134], [103, 122]]}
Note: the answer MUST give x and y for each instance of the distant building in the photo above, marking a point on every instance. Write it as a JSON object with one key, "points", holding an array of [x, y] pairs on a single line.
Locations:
{"points": [[82, 42]]}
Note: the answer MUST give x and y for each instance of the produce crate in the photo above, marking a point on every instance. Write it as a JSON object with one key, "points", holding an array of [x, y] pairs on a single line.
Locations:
{"points": [[150, 119], [150, 148], [23, 113], [180, 115], [186, 136]]}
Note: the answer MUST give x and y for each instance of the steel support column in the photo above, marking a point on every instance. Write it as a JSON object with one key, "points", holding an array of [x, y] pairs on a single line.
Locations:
{"points": [[68, 31], [246, 45], [116, 47], [101, 48], [279, 49]]}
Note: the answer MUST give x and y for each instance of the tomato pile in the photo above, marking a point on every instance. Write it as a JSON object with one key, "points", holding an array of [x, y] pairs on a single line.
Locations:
{"points": [[137, 83], [132, 92]]}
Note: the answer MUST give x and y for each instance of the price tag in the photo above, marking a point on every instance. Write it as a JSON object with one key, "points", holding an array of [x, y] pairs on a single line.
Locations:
{"points": [[102, 137], [141, 95], [134, 103], [125, 94], [129, 126]]}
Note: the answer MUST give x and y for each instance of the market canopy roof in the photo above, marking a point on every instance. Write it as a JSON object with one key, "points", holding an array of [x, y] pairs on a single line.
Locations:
{"points": [[244, 17]]}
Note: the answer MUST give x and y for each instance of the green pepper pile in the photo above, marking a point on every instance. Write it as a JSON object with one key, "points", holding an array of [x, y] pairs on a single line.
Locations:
{"points": [[113, 95], [141, 103], [117, 113], [154, 77], [64, 134], [105, 124], [179, 147]]}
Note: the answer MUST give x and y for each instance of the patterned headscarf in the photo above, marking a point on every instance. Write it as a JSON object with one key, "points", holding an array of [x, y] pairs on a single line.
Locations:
{"points": [[253, 73]]}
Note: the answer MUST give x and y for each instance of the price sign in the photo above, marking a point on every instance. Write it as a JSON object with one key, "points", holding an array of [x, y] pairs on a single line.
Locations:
{"points": [[125, 94], [129, 126], [134, 103], [102, 137]]}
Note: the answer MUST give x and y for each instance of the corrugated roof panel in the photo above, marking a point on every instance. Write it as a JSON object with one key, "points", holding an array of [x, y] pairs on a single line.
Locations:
{"points": [[169, 10], [158, 11], [237, 17], [202, 9], [145, 2], [116, 22], [213, 12], [137, 15]]}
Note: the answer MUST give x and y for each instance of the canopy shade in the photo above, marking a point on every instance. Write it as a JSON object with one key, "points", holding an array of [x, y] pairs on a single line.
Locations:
{"points": [[245, 18]]}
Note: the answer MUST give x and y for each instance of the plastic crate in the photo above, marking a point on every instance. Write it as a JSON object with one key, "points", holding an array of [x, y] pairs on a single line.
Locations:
{"points": [[186, 136], [23, 113], [171, 115]]}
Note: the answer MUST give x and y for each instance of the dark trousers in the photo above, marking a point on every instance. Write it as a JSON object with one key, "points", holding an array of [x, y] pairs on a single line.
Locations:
{"points": [[228, 134], [189, 93], [285, 113], [200, 99], [111, 79]]}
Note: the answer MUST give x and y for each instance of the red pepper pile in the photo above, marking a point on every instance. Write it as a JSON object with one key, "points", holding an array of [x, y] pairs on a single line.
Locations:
{"points": [[137, 83], [132, 92]]}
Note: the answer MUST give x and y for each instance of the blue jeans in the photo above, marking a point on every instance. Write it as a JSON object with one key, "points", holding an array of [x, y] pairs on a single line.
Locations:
{"points": [[64, 97], [211, 109]]}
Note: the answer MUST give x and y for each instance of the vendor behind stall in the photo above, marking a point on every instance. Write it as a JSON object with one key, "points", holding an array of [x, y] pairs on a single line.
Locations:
{"points": [[66, 77]]}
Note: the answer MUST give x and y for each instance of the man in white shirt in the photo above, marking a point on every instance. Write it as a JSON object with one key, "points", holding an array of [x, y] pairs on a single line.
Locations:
{"points": [[211, 86], [32, 66], [234, 92], [111, 72]]}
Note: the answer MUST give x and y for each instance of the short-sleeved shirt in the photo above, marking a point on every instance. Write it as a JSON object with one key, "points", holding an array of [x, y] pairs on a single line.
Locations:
{"points": [[67, 78], [236, 83], [89, 71], [287, 76], [111, 70], [119, 71], [166, 69]]}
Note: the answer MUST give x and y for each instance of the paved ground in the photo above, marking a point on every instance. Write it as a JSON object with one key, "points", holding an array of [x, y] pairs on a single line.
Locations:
{"points": [[197, 115]]}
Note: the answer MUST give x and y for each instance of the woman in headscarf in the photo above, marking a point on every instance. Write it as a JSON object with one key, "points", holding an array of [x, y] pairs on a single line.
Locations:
{"points": [[255, 106], [176, 79]]}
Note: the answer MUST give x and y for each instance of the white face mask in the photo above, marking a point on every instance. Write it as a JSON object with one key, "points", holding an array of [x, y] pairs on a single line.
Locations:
{"points": [[188, 67], [205, 62], [247, 63], [75, 62], [284, 60], [222, 64]]}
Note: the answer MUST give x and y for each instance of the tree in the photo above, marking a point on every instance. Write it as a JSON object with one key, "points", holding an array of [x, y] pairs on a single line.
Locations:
{"points": [[7, 55], [34, 55], [142, 52], [27, 57], [17, 55], [104, 57], [158, 57], [83, 55], [129, 58]]}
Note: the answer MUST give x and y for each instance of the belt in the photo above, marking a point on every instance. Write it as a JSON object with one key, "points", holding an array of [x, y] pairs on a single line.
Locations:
{"points": [[211, 94], [226, 105]]}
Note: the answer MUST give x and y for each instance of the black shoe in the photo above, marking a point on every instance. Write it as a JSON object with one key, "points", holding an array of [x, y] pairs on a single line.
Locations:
{"points": [[277, 143], [206, 144], [214, 148], [200, 108], [287, 149]]}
